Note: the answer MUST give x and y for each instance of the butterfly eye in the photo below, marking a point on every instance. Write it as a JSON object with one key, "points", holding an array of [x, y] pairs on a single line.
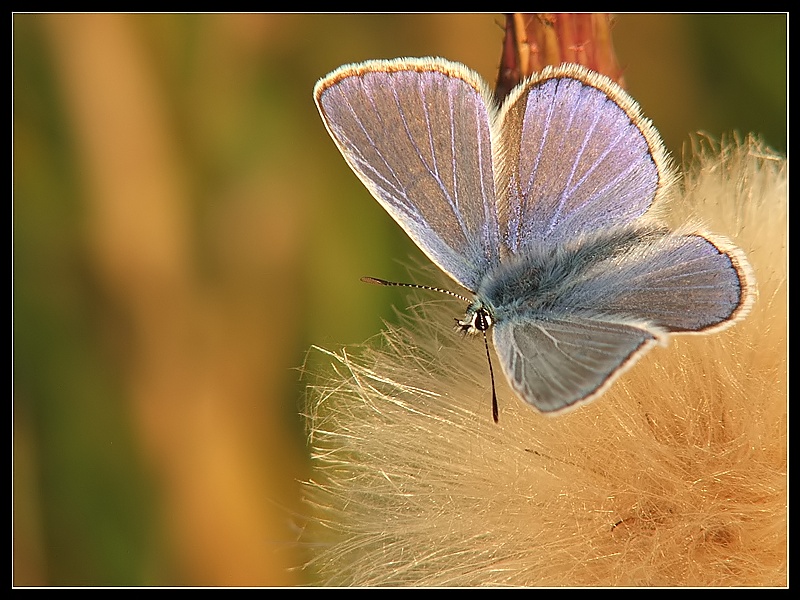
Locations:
{"points": [[482, 320]]}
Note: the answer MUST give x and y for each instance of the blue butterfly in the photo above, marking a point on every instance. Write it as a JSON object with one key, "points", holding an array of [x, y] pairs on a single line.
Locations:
{"points": [[538, 207]]}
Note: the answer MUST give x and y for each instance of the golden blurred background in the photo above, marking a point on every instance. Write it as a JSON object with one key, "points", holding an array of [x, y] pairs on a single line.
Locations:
{"points": [[184, 230]]}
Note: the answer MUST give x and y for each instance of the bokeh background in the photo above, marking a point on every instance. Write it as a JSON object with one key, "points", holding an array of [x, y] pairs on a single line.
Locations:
{"points": [[184, 231]]}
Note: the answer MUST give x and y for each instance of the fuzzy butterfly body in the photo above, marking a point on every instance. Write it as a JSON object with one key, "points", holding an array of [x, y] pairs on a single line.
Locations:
{"points": [[539, 208]]}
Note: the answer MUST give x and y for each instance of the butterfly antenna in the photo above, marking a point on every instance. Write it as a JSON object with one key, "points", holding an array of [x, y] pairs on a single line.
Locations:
{"points": [[495, 411], [376, 281]]}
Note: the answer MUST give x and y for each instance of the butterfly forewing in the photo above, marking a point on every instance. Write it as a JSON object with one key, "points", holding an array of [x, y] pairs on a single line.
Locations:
{"points": [[572, 159], [417, 134]]}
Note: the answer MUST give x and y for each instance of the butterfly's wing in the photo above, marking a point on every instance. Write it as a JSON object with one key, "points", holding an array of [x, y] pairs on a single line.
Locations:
{"points": [[575, 155], [557, 362], [417, 134], [693, 283], [615, 308]]}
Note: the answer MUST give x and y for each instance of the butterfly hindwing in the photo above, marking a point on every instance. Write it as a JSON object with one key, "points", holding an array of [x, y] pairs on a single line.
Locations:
{"points": [[557, 362], [675, 282]]}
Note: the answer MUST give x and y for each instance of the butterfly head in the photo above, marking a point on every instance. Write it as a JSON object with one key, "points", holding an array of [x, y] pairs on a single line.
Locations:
{"points": [[477, 318]]}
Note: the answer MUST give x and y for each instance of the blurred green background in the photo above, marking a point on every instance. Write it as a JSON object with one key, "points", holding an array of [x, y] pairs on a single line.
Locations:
{"points": [[184, 230]]}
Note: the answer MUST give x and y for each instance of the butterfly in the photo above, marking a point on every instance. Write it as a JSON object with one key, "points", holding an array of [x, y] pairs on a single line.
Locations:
{"points": [[540, 207]]}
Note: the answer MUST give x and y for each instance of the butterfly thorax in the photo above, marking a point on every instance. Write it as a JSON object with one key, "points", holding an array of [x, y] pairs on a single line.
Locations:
{"points": [[525, 284], [539, 280]]}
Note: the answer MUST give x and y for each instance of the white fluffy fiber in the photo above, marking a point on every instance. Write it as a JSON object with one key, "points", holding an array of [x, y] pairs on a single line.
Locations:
{"points": [[675, 477]]}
